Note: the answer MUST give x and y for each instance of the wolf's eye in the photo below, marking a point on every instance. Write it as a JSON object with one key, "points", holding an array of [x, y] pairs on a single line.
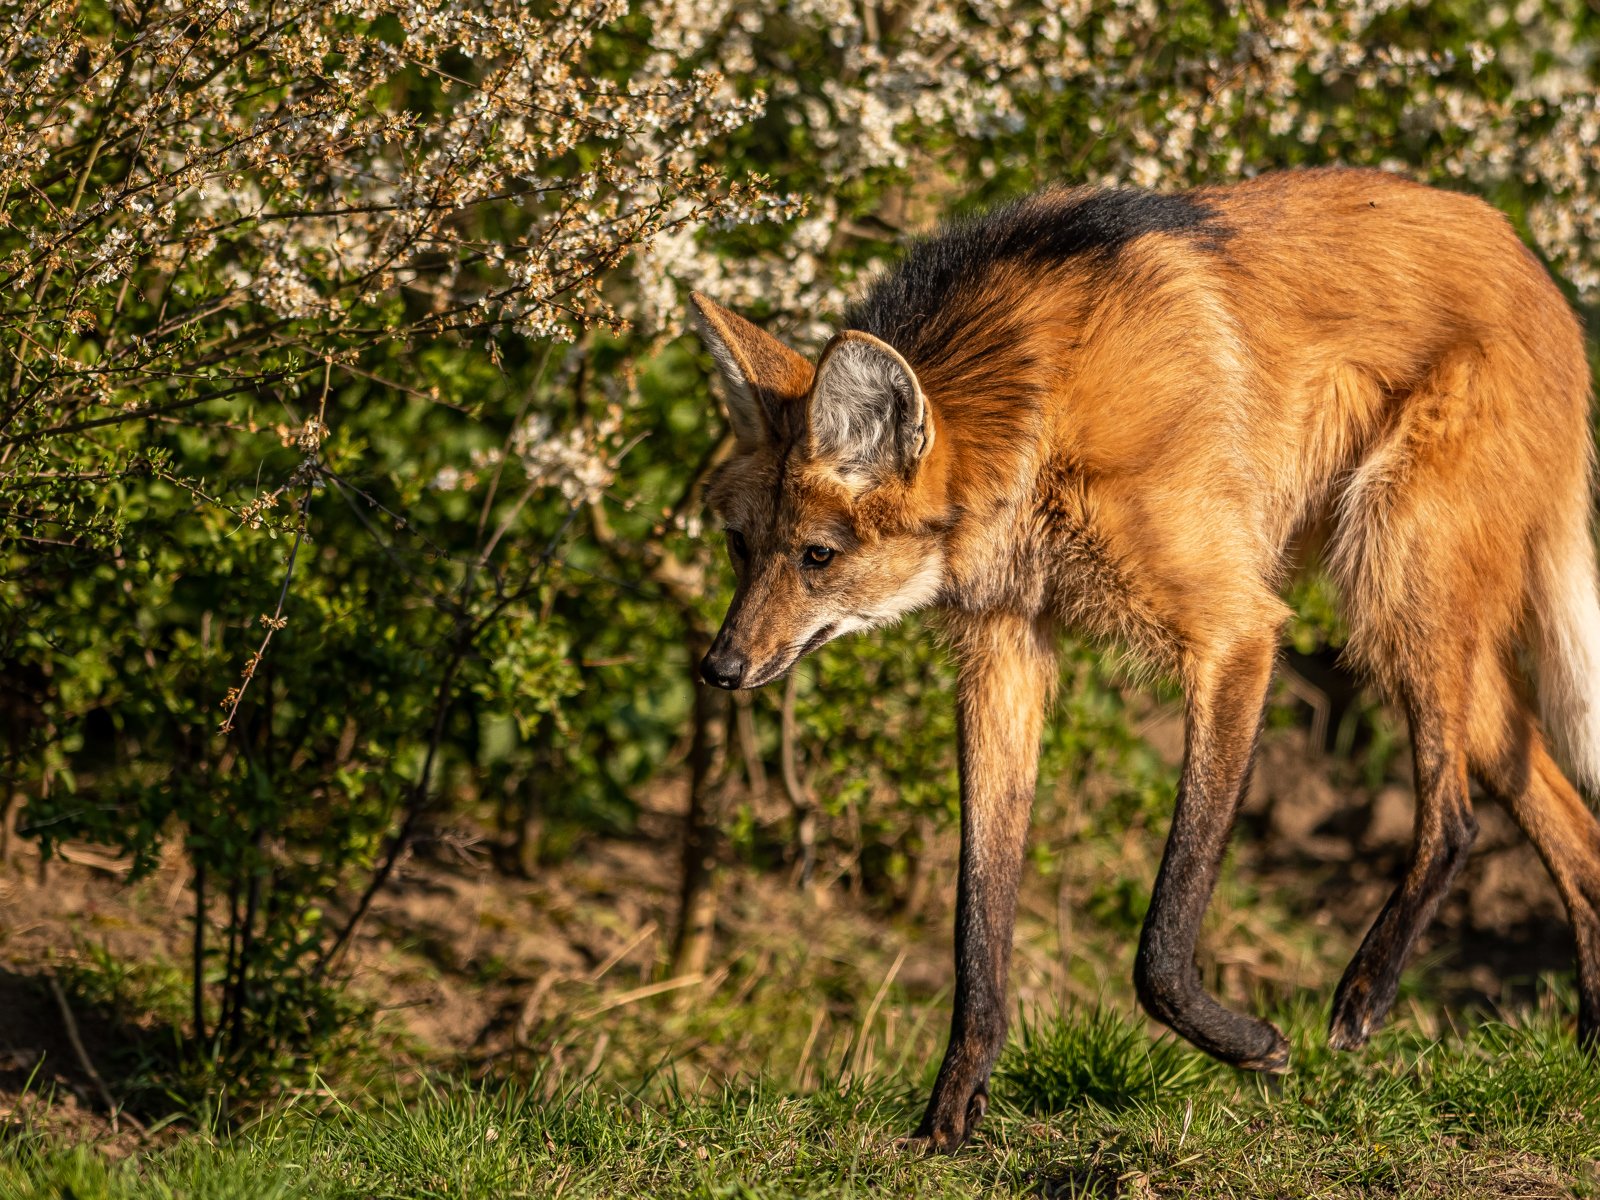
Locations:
{"points": [[736, 544], [818, 556]]}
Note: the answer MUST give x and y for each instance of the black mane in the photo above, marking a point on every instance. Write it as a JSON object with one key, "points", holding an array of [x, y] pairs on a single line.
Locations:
{"points": [[1039, 231]]}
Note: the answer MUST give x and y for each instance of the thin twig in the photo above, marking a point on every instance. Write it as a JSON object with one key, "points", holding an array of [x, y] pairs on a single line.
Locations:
{"points": [[1304, 690], [255, 383], [713, 457], [45, 275], [805, 809], [273, 625], [598, 1056], [432, 594], [750, 745], [787, 732], [322, 407], [494, 540], [432, 397], [83, 1057], [401, 522]]}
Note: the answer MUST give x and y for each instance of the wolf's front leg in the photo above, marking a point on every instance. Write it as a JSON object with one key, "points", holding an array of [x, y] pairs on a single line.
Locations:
{"points": [[1008, 667], [1225, 696]]}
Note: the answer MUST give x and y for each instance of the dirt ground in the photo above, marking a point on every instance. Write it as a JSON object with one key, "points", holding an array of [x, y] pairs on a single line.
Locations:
{"points": [[464, 959]]}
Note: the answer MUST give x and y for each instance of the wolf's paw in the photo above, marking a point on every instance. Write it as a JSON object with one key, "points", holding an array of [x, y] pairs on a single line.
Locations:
{"points": [[1275, 1061], [947, 1124], [1349, 1029], [1358, 1012]]}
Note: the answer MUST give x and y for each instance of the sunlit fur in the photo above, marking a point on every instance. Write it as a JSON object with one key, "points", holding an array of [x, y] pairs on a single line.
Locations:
{"points": [[1146, 412]]}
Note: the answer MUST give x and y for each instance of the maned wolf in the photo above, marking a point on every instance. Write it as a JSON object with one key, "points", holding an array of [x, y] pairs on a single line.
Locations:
{"points": [[1134, 415]]}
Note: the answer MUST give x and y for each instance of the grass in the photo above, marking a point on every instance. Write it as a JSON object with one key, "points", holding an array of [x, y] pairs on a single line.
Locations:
{"points": [[1085, 1104], [786, 1077]]}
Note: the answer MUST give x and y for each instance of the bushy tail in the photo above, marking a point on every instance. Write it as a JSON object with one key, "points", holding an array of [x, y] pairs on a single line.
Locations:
{"points": [[1568, 649]]}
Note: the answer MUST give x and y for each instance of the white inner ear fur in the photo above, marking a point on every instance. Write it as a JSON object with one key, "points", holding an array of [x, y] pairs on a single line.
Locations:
{"points": [[867, 409], [742, 413]]}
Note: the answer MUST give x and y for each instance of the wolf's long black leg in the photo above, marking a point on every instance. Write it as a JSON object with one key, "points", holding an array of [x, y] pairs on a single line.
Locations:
{"points": [[1225, 694], [1445, 832], [1007, 670]]}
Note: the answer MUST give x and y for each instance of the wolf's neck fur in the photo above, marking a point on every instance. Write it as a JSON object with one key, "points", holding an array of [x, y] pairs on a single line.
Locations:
{"points": [[987, 312]]}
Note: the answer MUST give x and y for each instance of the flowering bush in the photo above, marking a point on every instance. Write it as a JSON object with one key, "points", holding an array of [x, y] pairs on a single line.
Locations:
{"points": [[214, 201], [253, 251]]}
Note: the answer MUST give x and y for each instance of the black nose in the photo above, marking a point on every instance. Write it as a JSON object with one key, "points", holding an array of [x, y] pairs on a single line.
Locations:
{"points": [[723, 670]]}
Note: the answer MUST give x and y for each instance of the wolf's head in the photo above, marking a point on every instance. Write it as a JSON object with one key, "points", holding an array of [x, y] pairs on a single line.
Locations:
{"points": [[832, 500]]}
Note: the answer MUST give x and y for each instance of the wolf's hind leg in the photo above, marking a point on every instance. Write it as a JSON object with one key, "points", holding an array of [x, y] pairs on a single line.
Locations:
{"points": [[1445, 832], [1432, 558], [1226, 693], [1509, 758]]}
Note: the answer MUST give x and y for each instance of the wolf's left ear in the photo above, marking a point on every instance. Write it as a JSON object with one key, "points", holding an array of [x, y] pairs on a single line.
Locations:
{"points": [[766, 380], [868, 413]]}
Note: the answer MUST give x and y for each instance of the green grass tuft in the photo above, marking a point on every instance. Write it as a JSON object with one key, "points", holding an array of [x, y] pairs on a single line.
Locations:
{"points": [[1097, 1056]]}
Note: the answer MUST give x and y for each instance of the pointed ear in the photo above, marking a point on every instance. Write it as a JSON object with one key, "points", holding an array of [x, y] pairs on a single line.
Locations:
{"points": [[868, 413], [765, 378]]}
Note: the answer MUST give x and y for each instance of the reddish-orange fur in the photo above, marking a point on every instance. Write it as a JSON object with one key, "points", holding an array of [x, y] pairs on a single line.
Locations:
{"points": [[1142, 443]]}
